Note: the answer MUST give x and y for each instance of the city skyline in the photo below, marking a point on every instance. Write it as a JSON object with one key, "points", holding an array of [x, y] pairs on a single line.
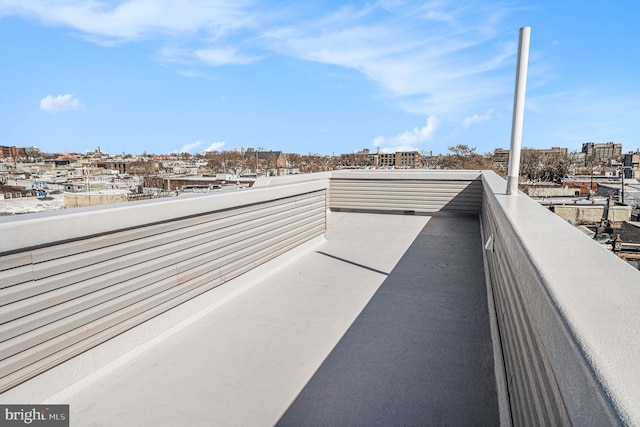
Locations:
{"points": [[150, 76]]}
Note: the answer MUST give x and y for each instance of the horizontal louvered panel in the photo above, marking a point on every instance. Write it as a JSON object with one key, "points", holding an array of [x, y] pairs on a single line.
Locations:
{"points": [[13, 261], [16, 268], [425, 194], [400, 183], [398, 186], [93, 289], [61, 302], [406, 195], [175, 283], [534, 395], [426, 206], [391, 204], [172, 232], [51, 358], [159, 230], [147, 249], [212, 254], [394, 198], [83, 252], [408, 208]]}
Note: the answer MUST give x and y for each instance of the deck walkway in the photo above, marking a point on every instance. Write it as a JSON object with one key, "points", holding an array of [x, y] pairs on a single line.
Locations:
{"points": [[385, 323], [420, 352]]}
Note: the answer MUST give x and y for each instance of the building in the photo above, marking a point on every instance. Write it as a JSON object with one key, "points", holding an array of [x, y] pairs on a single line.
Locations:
{"points": [[398, 160], [266, 160], [131, 167], [501, 156], [408, 159], [11, 152], [602, 152], [385, 160], [632, 165], [76, 186], [630, 196], [12, 191], [357, 159]]}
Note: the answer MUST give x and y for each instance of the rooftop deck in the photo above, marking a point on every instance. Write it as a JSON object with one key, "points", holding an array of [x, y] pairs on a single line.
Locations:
{"points": [[384, 323], [302, 301]]}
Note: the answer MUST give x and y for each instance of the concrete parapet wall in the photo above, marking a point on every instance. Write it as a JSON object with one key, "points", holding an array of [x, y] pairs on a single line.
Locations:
{"points": [[82, 200], [551, 191], [592, 214], [567, 315], [69, 282]]}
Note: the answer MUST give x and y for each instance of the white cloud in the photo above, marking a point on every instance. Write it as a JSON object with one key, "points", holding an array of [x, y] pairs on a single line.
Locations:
{"points": [[215, 146], [433, 58], [191, 32], [477, 118], [194, 147], [409, 140], [55, 104], [137, 19], [198, 147]]}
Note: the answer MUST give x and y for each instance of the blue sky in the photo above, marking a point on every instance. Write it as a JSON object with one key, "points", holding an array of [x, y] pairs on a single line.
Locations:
{"points": [[162, 76]]}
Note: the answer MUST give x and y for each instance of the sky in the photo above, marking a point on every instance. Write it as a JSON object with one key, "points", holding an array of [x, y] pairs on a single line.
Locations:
{"points": [[322, 77]]}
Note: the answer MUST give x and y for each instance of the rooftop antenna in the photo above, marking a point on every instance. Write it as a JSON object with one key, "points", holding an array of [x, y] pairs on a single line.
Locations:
{"points": [[518, 111]]}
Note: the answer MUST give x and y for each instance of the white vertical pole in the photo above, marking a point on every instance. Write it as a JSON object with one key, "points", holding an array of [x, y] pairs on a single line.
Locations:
{"points": [[518, 111]]}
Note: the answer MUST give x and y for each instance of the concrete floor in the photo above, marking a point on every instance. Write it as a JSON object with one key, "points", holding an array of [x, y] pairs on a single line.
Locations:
{"points": [[384, 323]]}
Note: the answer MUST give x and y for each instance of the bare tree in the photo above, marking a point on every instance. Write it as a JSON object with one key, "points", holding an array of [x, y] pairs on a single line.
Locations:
{"points": [[226, 161], [530, 164], [463, 157], [32, 154]]}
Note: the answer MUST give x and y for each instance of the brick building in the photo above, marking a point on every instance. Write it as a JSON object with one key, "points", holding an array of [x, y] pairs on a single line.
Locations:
{"points": [[398, 160], [13, 152], [602, 151], [267, 160]]}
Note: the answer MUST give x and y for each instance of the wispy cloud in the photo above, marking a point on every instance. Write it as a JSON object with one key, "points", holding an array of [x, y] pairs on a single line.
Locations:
{"points": [[431, 58], [60, 103], [477, 118], [189, 32], [224, 56], [409, 140], [136, 19]]}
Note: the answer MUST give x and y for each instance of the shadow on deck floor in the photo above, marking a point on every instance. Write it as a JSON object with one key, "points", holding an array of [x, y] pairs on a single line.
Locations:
{"points": [[420, 353]]}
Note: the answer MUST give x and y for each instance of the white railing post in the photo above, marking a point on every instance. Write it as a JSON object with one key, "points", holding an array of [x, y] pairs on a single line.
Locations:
{"points": [[518, 111]]}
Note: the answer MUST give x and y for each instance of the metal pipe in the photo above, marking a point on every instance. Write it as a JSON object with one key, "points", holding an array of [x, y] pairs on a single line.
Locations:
{"points": [[518, 111]]}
